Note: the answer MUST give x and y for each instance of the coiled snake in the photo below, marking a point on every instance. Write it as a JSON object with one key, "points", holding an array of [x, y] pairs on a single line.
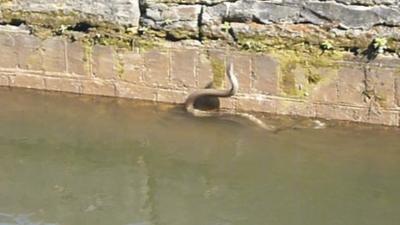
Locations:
{"points": [[234, 86]]}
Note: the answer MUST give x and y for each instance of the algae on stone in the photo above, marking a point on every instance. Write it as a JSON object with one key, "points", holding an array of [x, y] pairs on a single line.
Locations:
{"points": [[218, 69]]}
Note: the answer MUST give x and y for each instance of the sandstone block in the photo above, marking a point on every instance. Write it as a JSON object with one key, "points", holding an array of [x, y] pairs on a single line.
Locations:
{"points": [[171, 96], [204, 72], [183, 67], [26, 81], [265, 74], [296, 108], [62, 84], [104, 62], [4, 81], [242, 70], [325, 90], [132, 91], [157, 68], [8, 57], [95, 87], [351, 86], [133, 66], [29, 52], [257, 104], [54, 53], [397, 91], [379, 85], [78, 62]]}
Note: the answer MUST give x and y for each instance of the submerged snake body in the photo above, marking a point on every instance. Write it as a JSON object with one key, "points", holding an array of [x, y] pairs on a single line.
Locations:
{"points": [[190, 101]]}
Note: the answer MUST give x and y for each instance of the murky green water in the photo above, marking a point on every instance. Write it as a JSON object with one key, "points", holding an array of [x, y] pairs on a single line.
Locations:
{"points": [[73, 160]]}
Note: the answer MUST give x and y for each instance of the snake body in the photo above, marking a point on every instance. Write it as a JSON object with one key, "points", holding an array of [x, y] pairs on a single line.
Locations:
{"points": [[234, 86]]}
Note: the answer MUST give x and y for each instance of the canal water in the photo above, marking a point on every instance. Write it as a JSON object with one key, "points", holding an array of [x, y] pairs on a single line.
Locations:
{"points": [[75, 160]]}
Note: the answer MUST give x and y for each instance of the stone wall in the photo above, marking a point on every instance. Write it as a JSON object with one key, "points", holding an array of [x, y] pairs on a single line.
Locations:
{"points": [[329, 59]]}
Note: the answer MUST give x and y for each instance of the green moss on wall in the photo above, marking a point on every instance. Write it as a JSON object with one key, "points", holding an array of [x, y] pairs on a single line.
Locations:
{"points": [[218, 69], [309, 62]]}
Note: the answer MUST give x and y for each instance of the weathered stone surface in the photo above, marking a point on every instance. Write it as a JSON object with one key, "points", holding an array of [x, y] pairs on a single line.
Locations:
{"points": [[338, 112], [265, 74], [29, 50], [179, 22], [268, 105], [157, 68], [397, 90], [77, 59], [204, 73], [8, 51], [104, 62], [211, 21], [97, 87], [217, 59], [132, 91], [382, 117], [26, 81], [242, 70], [171, 96], [351, 86], [326, 90], [357, 114], [133, 67], [185, 2], [379, 86], [183, 67], [367, 2], [228, 103], [125, 12], [264, 12], [4, 81], [298, 108], [62, 84], [54, 55], [350, 16]]}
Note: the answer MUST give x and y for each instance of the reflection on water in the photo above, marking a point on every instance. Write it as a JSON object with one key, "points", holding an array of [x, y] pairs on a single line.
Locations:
{"points": [[7, 219], [73, 160]]}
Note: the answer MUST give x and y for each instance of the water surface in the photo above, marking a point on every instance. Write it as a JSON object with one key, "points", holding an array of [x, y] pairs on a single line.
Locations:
{"points": [[74, 160]]}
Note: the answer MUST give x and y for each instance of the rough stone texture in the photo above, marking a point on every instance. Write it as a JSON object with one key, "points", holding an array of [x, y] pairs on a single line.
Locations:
{"points": [[97, 87], [8, 49], [4, 81], [133, 64], [257, 104], [104, 62], [178, 22], [397, 90], [350, 16], [380, 86], [125, 12], [326, 91], [77, 64], [183, 67], [54, 55], [356, 114], [128, 90], [30, 55], [157, 68], [204, 73], [171, 96], [265, 74], [296, 108], [242, 70], [351, 86], [25, 81], [64, 85]]}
